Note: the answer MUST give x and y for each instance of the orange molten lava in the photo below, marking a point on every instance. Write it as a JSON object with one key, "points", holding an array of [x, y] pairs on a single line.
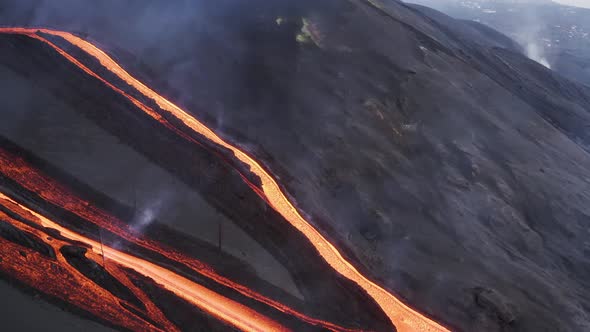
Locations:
{"points": [[18, 170], [219, 306], [402, 316], [57, 278]]}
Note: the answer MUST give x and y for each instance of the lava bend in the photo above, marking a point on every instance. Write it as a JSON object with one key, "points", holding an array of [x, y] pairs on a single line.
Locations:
{"points": [[401, 315]]}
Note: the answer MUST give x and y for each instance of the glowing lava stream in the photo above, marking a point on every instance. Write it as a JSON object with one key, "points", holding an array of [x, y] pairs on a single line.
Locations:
{"points": [[402, 316], [218, 306], [18, 170]]}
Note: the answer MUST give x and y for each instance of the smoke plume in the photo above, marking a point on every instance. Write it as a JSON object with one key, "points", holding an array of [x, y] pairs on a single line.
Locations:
{"points": [[536, 52], [530, 36], [148, 212]]}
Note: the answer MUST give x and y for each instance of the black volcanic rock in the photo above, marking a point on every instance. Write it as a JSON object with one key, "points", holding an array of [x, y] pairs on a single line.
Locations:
{"points": [[76, 257], [25, 239], [491, 301], [447, 165]]}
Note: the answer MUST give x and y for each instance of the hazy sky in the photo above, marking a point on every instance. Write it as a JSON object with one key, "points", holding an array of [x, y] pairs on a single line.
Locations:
{"points": [[578, 3]]}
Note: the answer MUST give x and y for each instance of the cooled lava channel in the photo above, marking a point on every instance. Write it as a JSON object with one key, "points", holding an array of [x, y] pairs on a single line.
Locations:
{"points": [[186, 127]]}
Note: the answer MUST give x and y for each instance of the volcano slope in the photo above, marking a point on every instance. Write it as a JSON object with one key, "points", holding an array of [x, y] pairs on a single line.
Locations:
{"points": [[449, 167], [559, 31], [221, 186]]}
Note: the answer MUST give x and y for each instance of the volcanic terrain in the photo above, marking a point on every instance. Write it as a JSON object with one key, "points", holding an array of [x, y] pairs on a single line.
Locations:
{"points": [[370, 165]]}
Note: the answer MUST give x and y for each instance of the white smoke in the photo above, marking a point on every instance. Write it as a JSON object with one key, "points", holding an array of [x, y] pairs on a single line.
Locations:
{"points": [[535, 52], [530, 36], [148, 212], [144, 215]]}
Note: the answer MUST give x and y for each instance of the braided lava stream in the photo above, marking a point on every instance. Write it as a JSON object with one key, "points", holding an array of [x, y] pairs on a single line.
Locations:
{"points": [[218, 306], [402, 316], [18, 170]]}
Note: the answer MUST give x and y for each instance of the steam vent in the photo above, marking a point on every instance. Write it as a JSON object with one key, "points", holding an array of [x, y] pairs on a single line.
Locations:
{"points": [[325, 165]]}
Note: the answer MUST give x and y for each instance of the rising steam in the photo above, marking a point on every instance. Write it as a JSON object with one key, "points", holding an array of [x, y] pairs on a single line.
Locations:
{"points": [[148, 212], [530, 36], [536, 52]]}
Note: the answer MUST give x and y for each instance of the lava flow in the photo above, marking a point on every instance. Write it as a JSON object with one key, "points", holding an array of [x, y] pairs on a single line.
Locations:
{"points": [[401, 315], [218, 306], [14, 167]]}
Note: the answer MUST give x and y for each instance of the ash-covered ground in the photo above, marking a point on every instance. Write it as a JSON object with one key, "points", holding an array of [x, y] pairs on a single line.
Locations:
{"points": [[447, 165]]}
